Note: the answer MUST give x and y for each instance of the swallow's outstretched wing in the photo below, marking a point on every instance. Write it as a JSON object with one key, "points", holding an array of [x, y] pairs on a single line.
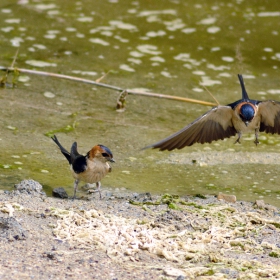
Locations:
{"points": [[62, 149], [214, 125], [270, 116]]}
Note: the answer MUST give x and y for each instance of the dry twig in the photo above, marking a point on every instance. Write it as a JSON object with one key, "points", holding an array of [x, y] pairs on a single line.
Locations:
{"points": [[128, 91]]}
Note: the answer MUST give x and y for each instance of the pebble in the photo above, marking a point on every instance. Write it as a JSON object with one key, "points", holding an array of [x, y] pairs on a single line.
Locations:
{"points": [[59, 192], [227, 197], [30, 187]]}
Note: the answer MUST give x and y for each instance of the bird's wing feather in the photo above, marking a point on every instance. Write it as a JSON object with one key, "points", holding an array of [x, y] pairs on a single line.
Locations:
{"points": [[79, 162], [270, 116], [214, 125], [74, 151]]}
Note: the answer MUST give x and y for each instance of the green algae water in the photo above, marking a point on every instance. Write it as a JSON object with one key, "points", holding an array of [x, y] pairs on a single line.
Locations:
{"points": [[169, 47]]}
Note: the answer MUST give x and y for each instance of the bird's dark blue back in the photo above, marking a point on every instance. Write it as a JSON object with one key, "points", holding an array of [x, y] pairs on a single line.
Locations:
{"points": [[234, 104]]}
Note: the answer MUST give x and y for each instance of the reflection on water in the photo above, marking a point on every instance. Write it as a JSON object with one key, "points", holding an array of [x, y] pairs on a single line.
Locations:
{"points": [[171, 47]]}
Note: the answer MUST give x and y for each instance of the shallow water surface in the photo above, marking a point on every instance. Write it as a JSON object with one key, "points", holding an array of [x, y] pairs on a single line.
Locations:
{"points": [[169, 47]]}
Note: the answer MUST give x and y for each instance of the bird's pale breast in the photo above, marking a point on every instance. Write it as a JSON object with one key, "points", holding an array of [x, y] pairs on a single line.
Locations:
{"points": [[96, 170]]}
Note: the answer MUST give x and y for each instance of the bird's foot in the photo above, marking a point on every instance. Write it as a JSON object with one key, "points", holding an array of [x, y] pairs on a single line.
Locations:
{"points": [[256, 141], [237, 141], [95, 191]]}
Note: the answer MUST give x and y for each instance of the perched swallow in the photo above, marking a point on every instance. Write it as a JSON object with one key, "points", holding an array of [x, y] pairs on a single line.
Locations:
{"points": [[90, 168], [242, 116]]}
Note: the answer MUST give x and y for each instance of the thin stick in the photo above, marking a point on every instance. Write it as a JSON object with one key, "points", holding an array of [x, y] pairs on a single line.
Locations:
{"points": [[172, 97], [149, 94], [13, 63], [211, 94], [102, 77]]}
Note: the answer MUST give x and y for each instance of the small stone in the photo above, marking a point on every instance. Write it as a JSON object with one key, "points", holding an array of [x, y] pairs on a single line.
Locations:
{"points": [[227, 197], [29, 187], [260, 204], [175, 272], [271, 208], [49, 94], [273, 227], [50, 255], [142, 197], [11, 229], [181, 277], [60, 193]]}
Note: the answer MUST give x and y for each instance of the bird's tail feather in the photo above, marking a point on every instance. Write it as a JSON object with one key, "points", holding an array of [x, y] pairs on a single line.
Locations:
{"points": [[244, 92], [62, 149]]}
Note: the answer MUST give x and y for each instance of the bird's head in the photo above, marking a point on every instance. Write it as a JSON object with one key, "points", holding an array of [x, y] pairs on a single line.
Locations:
{"points": [[101, 153], [247, 113]]}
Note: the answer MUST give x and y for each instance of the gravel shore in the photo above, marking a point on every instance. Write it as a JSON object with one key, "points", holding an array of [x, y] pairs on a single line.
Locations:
{"points": [[136, 236]]}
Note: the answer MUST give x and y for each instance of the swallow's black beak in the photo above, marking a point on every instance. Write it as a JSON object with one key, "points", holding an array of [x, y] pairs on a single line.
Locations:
{"points": [[111, 159], [246, 123]]}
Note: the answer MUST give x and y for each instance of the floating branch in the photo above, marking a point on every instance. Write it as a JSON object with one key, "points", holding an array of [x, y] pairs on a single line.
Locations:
{"points": [[127, 91]]}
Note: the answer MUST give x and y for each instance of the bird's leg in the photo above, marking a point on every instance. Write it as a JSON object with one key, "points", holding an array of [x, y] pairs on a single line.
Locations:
{"points": [[75, 188], [98, 185], [257, 135], [238, 139]]}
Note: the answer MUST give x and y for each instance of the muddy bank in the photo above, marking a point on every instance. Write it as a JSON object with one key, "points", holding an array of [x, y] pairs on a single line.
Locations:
{"points": [[127, 235]]}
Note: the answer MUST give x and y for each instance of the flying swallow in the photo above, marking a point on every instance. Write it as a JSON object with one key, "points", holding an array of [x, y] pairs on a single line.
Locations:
{"points": [[242, 116], [90, 168]]}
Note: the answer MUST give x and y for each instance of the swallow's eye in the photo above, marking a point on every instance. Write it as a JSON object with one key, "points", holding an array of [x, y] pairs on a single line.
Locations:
{"points": [[105, 155]]}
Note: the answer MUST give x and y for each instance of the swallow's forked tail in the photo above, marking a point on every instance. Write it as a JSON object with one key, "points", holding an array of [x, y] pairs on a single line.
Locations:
{"points": [[244, 92], [62, 149]]}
